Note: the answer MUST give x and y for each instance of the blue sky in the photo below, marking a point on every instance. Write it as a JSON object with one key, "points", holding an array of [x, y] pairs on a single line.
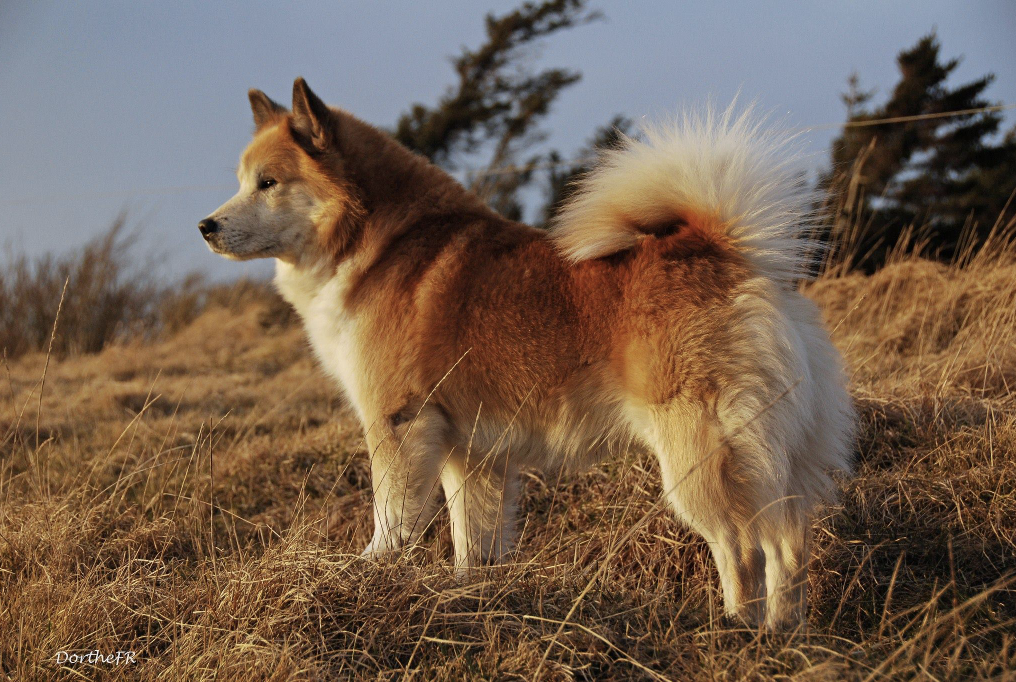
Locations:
{"points": [[142, 105]]}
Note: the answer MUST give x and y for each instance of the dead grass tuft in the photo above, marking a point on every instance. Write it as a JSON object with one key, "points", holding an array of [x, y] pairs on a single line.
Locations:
{"points": [[110, 299]]}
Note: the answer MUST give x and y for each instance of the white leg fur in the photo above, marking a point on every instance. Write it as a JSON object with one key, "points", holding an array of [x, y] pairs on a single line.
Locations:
{"points": [[786, 562], [482, 500], [404, 469], [708, 484]]}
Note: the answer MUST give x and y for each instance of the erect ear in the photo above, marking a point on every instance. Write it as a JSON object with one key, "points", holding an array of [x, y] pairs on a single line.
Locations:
{"points": [[265, 110], [311, 117]]}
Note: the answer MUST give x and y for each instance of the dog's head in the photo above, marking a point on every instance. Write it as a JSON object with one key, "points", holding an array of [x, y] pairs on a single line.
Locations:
{"points": [[293, 202]]}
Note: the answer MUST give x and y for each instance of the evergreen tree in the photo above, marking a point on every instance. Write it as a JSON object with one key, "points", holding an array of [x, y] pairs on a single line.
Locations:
{"points": [[498, 101], [938, 174]]}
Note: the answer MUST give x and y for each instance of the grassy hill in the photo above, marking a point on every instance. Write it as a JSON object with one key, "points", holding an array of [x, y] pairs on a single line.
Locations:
{"points": [[199, 497]]}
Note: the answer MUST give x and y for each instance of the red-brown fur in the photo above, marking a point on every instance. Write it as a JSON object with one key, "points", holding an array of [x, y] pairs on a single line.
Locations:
{"points": [[453, 277]]}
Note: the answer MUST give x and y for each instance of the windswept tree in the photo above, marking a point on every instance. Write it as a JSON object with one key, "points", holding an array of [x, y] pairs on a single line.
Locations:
{"points": [[940, 175], [498, 102]]}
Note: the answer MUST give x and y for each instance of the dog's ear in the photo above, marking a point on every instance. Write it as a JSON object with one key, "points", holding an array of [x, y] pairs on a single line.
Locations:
{"points": [[265, 110], [312, 121]]}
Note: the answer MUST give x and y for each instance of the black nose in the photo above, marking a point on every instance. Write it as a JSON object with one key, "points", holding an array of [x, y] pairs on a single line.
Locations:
{"points": [[208, 226]]}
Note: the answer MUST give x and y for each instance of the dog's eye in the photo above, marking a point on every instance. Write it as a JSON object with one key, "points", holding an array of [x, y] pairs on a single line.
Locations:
{"points": [[266, 183]]}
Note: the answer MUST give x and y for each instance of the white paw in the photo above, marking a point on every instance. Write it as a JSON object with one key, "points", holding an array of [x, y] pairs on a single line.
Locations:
{"points": [[378, 548]]}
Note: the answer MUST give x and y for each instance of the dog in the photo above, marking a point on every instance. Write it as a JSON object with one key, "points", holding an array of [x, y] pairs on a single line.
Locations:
{"points": [[660, 310]]}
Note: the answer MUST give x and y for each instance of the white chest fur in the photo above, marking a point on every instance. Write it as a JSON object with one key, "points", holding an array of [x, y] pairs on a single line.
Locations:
{"points": [[318, 294]]}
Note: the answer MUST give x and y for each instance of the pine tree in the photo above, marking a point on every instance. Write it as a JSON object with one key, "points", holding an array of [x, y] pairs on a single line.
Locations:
{"points": [[498, 102], [938, 174]]}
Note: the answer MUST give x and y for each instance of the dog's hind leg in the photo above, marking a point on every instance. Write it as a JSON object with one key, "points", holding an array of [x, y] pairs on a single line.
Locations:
{"points": [[741, 566], [705, 483], [482, 497], [785, 543]]}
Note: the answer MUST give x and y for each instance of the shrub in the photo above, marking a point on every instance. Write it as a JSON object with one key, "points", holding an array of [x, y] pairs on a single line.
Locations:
{"points": [[107, 296]]}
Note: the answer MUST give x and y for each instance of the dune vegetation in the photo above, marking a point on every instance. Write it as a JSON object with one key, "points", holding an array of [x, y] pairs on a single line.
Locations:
{"points": [[197, 493]]}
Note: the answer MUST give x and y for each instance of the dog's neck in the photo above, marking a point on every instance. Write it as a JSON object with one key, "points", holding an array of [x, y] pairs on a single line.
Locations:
{"points": [[391, 179], [394, 190], [300, 282]]}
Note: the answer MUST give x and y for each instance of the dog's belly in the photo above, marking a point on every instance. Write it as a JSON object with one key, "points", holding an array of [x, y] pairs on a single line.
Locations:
{"points": [[545, 437]]}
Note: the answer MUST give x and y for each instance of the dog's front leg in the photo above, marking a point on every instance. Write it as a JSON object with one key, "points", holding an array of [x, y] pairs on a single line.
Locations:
{"points": [[406, 455], [482, 497]]}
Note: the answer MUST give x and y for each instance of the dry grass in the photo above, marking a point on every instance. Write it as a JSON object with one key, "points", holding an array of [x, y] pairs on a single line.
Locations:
{"points": [[110, 298], [200, 500]]}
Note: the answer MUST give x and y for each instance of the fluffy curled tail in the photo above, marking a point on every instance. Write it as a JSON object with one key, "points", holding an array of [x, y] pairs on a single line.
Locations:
{"points": [[709, 172]]}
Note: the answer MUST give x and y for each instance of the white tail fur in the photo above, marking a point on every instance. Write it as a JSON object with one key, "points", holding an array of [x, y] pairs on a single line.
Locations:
{"points": [[722, 166]]}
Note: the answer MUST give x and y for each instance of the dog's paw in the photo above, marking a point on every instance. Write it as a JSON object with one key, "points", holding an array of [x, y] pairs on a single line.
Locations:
{"points": [[375, 553], [379, 548]]}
